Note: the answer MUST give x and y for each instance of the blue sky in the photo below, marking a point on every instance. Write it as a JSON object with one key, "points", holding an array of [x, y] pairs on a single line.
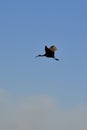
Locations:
{"points": [[25, 28]]}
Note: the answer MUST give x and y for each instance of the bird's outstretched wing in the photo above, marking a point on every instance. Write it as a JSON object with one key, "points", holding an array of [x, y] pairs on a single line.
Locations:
{"points": [[46, 49], [53, 48]]}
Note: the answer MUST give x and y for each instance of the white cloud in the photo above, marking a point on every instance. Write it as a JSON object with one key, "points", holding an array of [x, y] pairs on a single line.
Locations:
{"points": [[39, 113]]}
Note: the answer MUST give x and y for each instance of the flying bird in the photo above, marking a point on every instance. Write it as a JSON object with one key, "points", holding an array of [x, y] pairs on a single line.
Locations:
{"points": [[49, 52]]}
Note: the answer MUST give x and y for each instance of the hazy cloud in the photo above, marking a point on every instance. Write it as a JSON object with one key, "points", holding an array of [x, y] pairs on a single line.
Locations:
{"points": [[39, 113]]}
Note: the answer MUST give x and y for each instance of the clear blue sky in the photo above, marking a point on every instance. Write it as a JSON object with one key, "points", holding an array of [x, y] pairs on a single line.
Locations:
{"points": [[26, 26]]}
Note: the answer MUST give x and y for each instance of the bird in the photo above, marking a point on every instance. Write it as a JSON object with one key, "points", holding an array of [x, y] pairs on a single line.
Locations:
{"points": [[49, 52]]}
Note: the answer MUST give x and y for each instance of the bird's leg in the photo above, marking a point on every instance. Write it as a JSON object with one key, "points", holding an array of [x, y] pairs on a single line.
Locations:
{"points": [[56, 58]]}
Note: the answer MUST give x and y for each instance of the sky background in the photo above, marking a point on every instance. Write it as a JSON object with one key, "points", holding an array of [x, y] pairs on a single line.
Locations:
{"points": [[26, 26]]}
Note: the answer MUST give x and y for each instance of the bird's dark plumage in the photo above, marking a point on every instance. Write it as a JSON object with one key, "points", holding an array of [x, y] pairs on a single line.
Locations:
{"points": [[49, 52]]}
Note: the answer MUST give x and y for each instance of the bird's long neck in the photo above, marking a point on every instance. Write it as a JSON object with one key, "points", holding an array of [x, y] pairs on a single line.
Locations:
{"points": [[40, 55]]}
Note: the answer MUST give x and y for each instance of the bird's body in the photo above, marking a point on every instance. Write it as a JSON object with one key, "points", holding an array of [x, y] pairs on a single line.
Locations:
{"points": [[49, 52]]}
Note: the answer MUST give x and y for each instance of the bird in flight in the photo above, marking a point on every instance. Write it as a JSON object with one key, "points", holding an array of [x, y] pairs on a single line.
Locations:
{"points": [[49, 52]]}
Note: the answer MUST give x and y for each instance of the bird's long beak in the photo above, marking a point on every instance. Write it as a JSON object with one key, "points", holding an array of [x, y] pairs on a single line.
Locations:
{"points": [[37, 56]]}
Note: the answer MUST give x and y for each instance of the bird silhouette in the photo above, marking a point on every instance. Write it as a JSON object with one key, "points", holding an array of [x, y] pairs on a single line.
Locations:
{"points": [[49, 52]]}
